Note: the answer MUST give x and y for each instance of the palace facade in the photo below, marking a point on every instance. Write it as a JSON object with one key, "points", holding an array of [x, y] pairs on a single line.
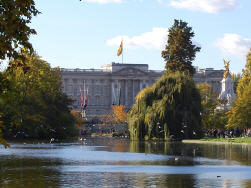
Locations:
{"points": [[120, 83]]}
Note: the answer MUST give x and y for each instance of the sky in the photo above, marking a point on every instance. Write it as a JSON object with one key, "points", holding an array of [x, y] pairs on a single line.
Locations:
{"points": [[87, 34]]}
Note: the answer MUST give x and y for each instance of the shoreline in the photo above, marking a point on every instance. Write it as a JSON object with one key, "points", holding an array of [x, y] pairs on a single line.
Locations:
{"points": [[213, 142]]}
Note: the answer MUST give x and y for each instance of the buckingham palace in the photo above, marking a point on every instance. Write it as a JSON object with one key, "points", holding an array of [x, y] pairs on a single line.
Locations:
{"points": [[121, 82]]}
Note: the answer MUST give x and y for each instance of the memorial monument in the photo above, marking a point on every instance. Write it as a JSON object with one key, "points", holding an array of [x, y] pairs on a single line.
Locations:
{"points": [[227, 91]]}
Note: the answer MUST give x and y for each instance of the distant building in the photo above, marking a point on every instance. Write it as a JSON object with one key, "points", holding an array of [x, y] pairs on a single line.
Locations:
{"points": [[120, 81], [210, 76], [105, 85]]}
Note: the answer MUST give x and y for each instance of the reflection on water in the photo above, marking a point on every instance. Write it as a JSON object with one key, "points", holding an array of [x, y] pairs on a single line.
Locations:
{"points": [[227, 152], [95, 179], [107, 162]]}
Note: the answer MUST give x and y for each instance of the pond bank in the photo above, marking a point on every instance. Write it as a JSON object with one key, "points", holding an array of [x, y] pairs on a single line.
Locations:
{"points": [[244, 141]]}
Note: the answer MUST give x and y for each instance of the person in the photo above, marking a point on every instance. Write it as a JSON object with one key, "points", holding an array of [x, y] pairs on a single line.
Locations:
{"points": [[83, 132]]}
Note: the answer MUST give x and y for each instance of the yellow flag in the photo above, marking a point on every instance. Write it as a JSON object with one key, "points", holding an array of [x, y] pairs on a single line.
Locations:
{"points": [[120, 50]]}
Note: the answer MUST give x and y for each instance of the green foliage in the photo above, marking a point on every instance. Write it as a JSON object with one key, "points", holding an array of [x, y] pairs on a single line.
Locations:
{"points": [[211, 118], [172, 106], [240, 115], [78, 119], [180, 50], [15, 17], [34, 105], [4, 86], [235, 78]]}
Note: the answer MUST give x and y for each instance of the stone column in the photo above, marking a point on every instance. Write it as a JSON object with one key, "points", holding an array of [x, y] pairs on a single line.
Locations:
{"points": [[126, 90], [123, 91], [112, 91], [132, 92], [140, 85], [117, 91], [109, 94]]}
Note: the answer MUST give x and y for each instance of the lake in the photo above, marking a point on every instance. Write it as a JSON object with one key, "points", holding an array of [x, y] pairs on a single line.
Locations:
{"points": [[110, 162]]}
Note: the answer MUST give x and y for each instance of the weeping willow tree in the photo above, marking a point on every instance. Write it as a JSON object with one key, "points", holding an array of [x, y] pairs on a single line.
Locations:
{"points": [[172, 106]]}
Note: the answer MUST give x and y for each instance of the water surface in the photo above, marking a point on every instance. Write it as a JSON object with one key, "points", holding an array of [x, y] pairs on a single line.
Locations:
{"points": [[108, 162]]}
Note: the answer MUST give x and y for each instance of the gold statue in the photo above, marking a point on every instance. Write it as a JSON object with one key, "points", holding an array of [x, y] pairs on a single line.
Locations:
{"points": [[226, 65]]}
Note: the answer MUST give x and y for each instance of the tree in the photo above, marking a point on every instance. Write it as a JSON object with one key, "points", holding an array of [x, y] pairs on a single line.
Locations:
{"points": [[4, 86], [119, 114], [180, 50], [211, 117], [35, 106], [78, 119], [240, 115], [236, 78], [15, 17], [172, 106]]}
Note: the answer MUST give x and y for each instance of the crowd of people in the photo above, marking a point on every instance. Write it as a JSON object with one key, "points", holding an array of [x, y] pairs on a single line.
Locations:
{"points": [[229, 133]]}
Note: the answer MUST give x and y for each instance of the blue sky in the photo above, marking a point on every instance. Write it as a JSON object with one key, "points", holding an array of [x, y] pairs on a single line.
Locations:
{"points": [[86, 34]]}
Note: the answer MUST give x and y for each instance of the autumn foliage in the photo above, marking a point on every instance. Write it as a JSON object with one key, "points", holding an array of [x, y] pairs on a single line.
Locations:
{"points": [[119, 114], [240, 115]]}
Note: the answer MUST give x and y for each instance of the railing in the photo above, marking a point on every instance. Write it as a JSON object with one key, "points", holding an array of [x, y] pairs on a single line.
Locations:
{"points": [[82, 70], [156, 71], [100, 70]]}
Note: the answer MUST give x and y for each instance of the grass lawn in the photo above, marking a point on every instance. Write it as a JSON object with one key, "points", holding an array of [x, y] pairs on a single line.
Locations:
{"points": [[232, 140], [102, 134]]}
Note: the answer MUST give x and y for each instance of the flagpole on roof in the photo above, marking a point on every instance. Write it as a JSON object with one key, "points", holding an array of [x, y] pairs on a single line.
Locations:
{"points": [[84, 100], [81, 102]]}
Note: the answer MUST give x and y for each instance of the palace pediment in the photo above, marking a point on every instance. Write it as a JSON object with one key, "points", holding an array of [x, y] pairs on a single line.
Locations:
{"points": [[130, 71]]}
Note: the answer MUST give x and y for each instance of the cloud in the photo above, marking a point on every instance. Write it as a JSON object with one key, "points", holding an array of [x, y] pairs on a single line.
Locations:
{"points": [[104, 1], [233, 44], [209, 6], [156, 39]]}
